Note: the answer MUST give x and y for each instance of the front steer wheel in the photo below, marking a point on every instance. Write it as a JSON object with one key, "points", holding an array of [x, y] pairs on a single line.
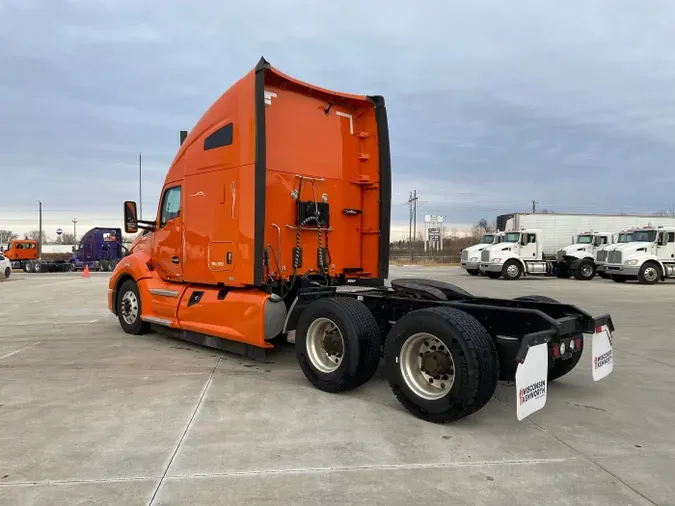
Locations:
{"points": [[129, 309], [650, 273], [337, 344], [512, 270], [441, 363], [585, 271]]}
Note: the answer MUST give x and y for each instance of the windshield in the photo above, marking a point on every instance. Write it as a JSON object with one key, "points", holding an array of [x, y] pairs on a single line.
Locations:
{"points": [[644, 236], [624, 238], [585, 239], [486, 239], [512, 237]]}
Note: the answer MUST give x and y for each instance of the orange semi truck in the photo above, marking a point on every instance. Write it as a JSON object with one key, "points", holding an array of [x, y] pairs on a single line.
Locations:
{"points": [[274, 217], [25, 254]]}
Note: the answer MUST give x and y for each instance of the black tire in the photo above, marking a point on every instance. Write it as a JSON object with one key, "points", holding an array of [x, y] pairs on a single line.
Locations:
{"points": [[279, 340], [476, 363], [28, 267], [603, 275], [37, 267], [618, 279], [650, 273], [113, 265], [562, 271], [515, 268], [72, 267], [361, 341], [136, 326], [103, 266], [493, 275], [585, 271], [8, 273], [473, 272]]}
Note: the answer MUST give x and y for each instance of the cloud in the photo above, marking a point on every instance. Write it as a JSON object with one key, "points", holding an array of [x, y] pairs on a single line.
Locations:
{"points": [[490, 106]]}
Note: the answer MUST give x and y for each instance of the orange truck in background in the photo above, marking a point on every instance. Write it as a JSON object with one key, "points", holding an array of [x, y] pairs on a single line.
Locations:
{"points": [[274, 218], [25, 254]]}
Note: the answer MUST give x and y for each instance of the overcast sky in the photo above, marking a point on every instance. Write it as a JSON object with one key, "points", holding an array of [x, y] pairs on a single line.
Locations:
{"points": [[491, 103]]}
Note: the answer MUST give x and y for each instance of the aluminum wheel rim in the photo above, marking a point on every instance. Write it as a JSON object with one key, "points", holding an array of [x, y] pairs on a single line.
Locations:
{"points": [[417, 353], [129, 308], [512, 270], [650, 274], [325, 345], [586, 270]]}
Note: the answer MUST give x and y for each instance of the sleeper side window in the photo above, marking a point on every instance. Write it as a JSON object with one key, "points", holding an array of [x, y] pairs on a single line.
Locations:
{"points": [[170, 205], [219, 138]]}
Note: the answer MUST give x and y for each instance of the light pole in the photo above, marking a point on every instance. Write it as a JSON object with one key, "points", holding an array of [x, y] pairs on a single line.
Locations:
{"points": [[140, 185], [75, 230], [40, 232]]}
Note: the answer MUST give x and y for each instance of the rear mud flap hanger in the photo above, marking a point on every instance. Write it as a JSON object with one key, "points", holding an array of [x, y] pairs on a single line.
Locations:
{"points": [[590, 324]]}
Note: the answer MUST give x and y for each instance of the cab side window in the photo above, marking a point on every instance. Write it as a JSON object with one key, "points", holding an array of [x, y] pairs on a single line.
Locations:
{"points": [[531, 238], [170, 205], [671, 236]]}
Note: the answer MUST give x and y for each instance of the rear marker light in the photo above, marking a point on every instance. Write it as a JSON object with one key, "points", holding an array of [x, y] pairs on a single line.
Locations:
{"points": [[578, 343], [556, 350]]}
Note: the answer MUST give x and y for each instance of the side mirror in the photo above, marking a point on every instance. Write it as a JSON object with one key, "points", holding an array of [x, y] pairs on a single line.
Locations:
{"points": [[73, 249], [130, 217]]}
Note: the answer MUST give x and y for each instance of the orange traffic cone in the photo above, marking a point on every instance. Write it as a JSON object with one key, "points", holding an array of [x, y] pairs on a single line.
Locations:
{"points": [[85, 272]]}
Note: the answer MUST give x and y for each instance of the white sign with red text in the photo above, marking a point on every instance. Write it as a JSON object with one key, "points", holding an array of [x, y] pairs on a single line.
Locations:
{"points": [[531, 381], [603, 356]]}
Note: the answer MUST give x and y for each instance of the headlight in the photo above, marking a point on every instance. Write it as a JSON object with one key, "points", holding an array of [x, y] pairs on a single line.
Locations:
{"points": [[496, 260], [631, 262], [473, 259]]}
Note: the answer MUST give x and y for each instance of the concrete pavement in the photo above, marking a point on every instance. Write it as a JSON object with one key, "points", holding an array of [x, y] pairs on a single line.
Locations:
{"points": [[91, 415]]}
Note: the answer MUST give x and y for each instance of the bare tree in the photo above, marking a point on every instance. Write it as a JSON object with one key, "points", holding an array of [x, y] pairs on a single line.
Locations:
{"points": [[6, 236], [666, 212], [67, 238], [34, 235], [483, 226]]}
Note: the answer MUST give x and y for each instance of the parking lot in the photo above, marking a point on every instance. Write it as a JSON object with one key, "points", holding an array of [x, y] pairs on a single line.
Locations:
{"points": [[91, 415]]}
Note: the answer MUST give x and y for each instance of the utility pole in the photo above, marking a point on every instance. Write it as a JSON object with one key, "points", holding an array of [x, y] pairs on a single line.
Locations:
{"points": [[40, 232], [75, 230], [412, 226], [140, 184], [415, 213], [534, 206]]}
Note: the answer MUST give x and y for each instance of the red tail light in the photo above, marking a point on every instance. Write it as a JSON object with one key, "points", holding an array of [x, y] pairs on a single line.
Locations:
{"points": [[556, 350]]}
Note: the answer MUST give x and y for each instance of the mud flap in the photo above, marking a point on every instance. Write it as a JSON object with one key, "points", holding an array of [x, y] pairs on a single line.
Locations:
{"points": [[603, 356], [531, 381]]}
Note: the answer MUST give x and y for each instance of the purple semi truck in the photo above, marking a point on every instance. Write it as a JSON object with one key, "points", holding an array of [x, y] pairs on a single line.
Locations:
{"points": [[100, 248]]}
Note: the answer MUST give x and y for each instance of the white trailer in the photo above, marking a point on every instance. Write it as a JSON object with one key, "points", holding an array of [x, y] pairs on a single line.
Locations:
{"points": [[550, 244]]}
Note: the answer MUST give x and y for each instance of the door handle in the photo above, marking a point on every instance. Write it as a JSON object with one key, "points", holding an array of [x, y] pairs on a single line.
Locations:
{"points": [[175, 260]]}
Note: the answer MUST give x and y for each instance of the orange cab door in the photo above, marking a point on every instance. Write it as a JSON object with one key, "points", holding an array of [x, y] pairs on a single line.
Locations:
{"points": [[167, 245]]}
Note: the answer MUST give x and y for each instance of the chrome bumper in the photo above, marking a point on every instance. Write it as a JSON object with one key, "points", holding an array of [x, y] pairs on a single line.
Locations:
{"points": [[490, 267], [622, 270]]}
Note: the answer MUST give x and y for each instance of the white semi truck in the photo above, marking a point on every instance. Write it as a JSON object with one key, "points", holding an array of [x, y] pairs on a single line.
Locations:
{"points": [[601, 255], [471, 255], [649, 257], [554, 244]]}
